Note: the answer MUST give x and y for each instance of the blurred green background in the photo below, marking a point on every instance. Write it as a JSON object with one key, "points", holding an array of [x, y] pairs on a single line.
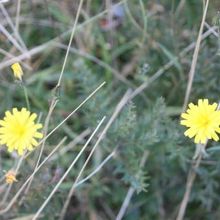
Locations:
{"points": [[126, 44]]}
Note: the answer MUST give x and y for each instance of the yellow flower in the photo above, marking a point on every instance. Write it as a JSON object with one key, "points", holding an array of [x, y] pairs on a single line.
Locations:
{"points": [[10, 177], [203, 121], [17, 70], [18, 130]]}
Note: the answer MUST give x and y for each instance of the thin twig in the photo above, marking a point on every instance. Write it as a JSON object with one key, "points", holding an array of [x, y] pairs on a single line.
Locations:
{"points": [[118, 109], [70, 146], [60, 124], [54, 100], [13, 41], [70, 41], [52, 42], [190, 180], [7, 54], [17, 15], [15, 197], [192, 173], [131, 191], [72, 113], [9, 20], [168, 65], [180, 7], [214, 32], [67, 172], [99, 62], [97, 169], [195, 58]]}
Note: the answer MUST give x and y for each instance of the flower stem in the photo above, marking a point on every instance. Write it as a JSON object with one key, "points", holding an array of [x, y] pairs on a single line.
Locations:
{"points": [[189, 184], [26, 96]]}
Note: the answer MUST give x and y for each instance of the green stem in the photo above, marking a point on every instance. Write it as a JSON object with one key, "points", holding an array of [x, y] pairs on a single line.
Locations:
{"points": [[26, 96]]}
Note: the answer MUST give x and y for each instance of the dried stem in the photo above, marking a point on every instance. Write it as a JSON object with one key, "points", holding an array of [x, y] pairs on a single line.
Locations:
{"points": [[111, 120], [195, 58], [67, 172], [17, 15], [97, 169], [72, 113], [13, 200], [168, 65], [130, 192], [190, 180], [70, 41]]}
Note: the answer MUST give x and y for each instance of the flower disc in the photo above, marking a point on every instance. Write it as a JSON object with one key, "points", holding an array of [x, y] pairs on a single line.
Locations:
{"points": [[203, 121], [18, 131]]}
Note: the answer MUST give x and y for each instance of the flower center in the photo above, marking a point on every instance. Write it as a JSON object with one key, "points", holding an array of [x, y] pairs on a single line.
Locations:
{"points": [[204, 122], [20, 130]]}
